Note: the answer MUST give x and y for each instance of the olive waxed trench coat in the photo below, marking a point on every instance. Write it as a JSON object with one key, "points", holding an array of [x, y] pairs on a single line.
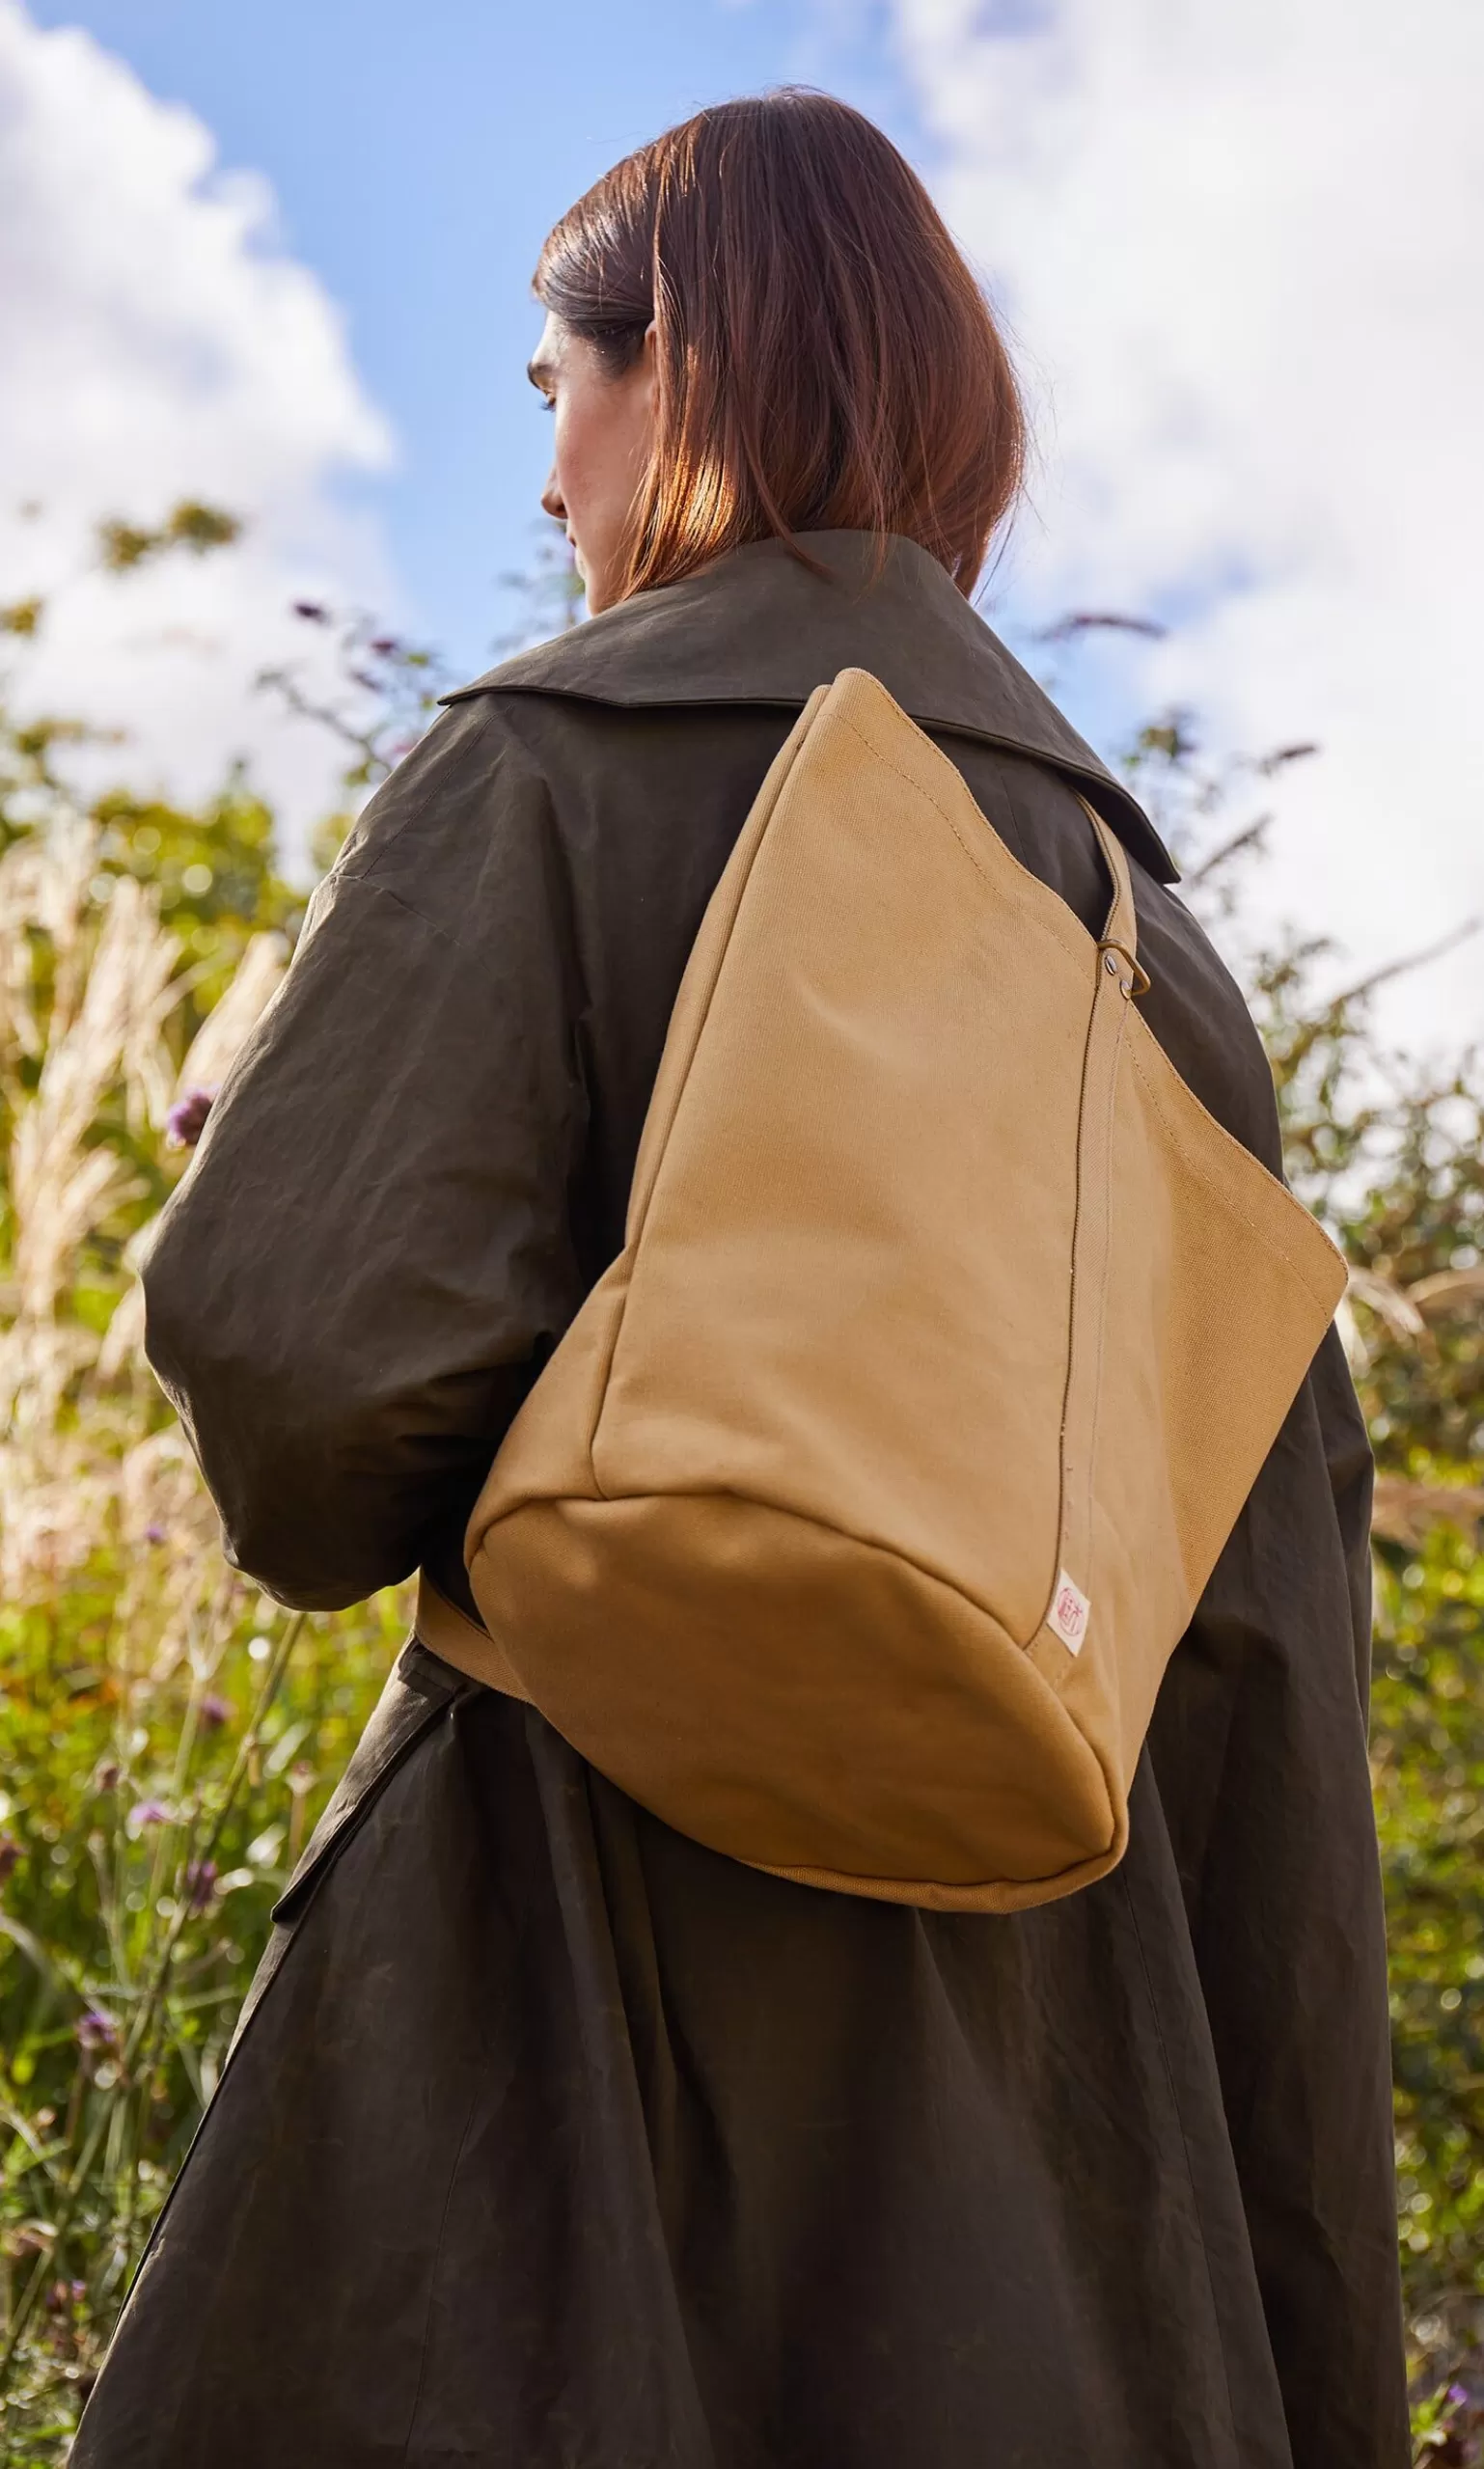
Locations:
{"points": [[553, 2140]]}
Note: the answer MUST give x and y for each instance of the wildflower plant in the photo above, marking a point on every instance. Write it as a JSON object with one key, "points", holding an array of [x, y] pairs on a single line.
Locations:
{"points": [[167, 1734]]}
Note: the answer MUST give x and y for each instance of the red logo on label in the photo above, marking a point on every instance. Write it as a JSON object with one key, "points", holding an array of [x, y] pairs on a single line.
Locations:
{"points": [[1071, 1615], [1069, 1611]]}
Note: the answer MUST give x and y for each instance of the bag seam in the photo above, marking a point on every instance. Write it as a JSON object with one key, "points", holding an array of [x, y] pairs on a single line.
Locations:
{"points": [[1102, 1303], [826, 1525], [1030, 911], [1028, 907], [890, 1551]]}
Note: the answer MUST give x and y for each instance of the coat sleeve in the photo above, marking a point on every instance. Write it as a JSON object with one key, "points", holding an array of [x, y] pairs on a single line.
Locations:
{"points": [[1260, 1754], [371, 1254]]}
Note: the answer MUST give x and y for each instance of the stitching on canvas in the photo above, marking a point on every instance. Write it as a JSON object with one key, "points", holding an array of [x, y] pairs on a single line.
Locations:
{"points": [[1102, 1300]]}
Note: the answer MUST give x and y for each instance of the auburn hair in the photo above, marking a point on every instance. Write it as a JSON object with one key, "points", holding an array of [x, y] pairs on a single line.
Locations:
{"points": [[825, 360]]}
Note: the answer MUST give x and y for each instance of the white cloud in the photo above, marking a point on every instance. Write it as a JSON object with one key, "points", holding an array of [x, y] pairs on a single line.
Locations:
{"points": [[1242, 252], [158, 344]]}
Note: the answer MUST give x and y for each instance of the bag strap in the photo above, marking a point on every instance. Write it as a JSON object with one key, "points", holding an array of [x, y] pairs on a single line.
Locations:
{"points": [[454, 1638], [1121, 935]]}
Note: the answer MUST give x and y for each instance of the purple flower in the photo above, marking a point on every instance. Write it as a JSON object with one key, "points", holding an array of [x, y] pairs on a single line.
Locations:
{"points": [[9, 1854], [97, 2031], [147, 1813], [187, 1120], [200, 1885], [1458, 2394], [215, 1710], [314, 610], [154, 1534]]}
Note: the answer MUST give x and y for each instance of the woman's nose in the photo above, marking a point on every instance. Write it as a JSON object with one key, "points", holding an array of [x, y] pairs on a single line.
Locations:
{"points": [[552, 500]]}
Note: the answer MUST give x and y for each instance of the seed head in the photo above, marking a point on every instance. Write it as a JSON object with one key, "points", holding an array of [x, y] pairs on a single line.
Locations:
{"points": [[186, 1119], [97, 2031]]}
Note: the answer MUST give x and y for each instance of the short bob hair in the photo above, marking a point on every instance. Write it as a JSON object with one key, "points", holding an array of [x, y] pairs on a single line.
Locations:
{"points": [[826, 360]]}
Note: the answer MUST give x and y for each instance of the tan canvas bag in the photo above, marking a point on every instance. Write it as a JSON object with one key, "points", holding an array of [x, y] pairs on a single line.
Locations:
{"points": [[852, 1525]]}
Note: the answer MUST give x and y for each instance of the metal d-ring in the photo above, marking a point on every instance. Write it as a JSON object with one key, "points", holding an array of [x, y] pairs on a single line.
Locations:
{"points": [[1139, 978]]}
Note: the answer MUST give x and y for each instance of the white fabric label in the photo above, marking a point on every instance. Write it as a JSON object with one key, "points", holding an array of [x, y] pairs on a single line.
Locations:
{"points": [[1069, 1613]]}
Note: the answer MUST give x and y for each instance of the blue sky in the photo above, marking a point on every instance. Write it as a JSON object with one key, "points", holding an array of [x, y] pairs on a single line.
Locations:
{"points": [[278, 255], [419, 154]]}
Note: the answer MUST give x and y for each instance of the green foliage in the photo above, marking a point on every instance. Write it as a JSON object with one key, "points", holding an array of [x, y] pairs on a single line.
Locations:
{"points": [[1393, 1158], [213, 874], [1429, 1734], [151, 1822], [1415, 1235], [167, 1734], [124, 546], [30, 786], [1447, 2427]]}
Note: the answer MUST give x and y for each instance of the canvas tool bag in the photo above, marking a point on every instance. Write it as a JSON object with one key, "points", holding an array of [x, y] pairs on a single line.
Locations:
{"points": [[854, 1521]]}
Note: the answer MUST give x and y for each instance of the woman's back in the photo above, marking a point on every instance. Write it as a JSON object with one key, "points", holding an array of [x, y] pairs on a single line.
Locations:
{"points": [[794, 2178], [551, 2136]]}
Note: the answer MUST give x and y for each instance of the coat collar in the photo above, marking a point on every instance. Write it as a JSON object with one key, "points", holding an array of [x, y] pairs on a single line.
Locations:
{"points": [[757, 627]]}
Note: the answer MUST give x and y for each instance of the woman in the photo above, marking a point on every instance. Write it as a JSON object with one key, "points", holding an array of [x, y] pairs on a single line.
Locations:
{"points": [[552, 2137]]}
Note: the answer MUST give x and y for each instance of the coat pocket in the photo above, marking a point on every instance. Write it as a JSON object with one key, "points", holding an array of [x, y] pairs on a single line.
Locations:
{"points": [[417, 1692], [420, 1690]]}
